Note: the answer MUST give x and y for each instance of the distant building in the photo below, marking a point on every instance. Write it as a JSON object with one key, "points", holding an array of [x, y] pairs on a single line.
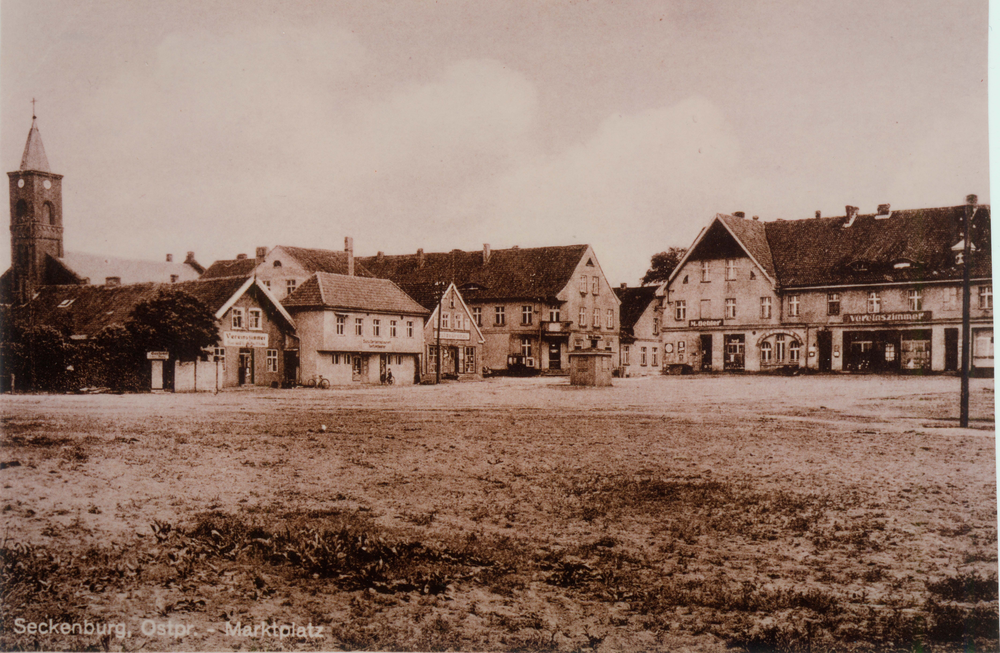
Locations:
{"points": [[461, 341], [36, 229], [356, 329], [876, 292], [640, 348], [532, 305]]}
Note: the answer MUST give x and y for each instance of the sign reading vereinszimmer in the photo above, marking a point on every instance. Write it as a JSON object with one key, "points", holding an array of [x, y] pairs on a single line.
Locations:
{"points": [[876, 318], [242, 339]]}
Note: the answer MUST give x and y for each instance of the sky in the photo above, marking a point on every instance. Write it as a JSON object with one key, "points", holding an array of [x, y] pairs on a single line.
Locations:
{"points": [[219, 127]]}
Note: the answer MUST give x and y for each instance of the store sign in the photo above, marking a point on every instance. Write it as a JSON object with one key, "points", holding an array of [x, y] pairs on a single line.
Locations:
{"points": [[243, 339], [452, 335], [375, 344], [157, 355], [704, 323], [880, 318]]}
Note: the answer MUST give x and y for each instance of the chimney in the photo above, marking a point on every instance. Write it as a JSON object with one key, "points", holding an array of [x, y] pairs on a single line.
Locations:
{"points": [[170, 258], [261, 254], [112, 281], [756, 218], [349, 248], [241, 257], [852, 215], [819, 214], [739, 214], [486, 253], [190, 258], [624, 286], [883, 211], [515, 247], [380, 257], [420, 257], [973, 201]]}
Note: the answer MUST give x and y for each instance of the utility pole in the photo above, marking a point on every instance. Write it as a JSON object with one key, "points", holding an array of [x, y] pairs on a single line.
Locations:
{"points": [[970, 209], [440, 306]]}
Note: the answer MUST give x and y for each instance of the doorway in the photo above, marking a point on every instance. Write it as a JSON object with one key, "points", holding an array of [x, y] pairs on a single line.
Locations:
{"points": [[168, 375], [555, 356], [951, 350], [356, 368], [824, 342], [706, 352], [735, 352], [245, 371]]}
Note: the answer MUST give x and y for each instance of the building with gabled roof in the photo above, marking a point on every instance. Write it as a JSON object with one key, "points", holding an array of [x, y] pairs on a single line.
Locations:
{"points": [[532, 305], [639, 351], [356, 330], [858, 292]]}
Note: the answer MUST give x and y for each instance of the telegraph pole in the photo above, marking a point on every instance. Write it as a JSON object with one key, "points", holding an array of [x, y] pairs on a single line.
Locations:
{"points": [[440, 305], [970, 209]]}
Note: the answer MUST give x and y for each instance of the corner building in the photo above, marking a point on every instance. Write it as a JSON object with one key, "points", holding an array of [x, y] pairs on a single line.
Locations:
{"points": [[877, 292]]}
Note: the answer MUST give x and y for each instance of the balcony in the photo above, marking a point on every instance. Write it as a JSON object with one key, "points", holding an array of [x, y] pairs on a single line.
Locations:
{"points": [[556, 328]]}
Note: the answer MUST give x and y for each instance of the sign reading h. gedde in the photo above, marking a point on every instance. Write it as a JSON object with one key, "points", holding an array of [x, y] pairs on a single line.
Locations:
{"points": [[877, 318]]}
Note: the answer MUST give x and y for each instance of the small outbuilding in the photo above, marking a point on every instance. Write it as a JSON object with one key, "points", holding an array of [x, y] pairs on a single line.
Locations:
{"points": [[590, 367]]}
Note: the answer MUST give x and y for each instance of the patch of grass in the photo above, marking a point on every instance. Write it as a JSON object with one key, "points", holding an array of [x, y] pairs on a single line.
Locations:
{"points": [[967, 588]]}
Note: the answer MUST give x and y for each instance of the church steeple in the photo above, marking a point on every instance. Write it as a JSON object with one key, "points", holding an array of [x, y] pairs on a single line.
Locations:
{"points": [[34, 152]]}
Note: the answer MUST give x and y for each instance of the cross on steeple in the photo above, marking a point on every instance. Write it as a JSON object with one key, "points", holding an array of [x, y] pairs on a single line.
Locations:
{"points": [[33, 108]]}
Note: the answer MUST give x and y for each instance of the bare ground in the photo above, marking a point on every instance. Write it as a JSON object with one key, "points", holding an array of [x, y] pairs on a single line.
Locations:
{"points": [[666, 513]]}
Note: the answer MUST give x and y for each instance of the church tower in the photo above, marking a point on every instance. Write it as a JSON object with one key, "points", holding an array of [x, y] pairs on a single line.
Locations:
{"points": [[36, 230]]}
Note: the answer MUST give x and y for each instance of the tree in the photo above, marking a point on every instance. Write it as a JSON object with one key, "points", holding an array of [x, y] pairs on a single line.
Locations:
{"points": [[662, 265], [173, 321]]}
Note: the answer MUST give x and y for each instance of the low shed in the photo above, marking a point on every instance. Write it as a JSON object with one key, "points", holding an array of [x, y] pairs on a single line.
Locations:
{"points": [[590, 367]]}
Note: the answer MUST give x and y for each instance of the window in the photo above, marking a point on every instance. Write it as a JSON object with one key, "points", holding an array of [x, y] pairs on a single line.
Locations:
{"points": [[583, 316], [392, 328], [336, 359], [595, 286], [220, 356], [642, 356], [477, 315], [445, 320], [916, 297], [656, 326], [626, 354], [730, 269], [289, 286], [500, 316], [681, 346], [730, 308], [680, 309], [793, 305], [765, 352], [451, 301], [986, 297], [267, 283], [66, 303], [341, 321], [753, 275], [399, 359], [610, 321], [685, 279], [272, 360], [526, 347], [458, 321], [376, 327], [174, 278], [359, 326], [409, 328], [554, 315], [597, 318], [583, 284], [779, 347], [874, 302], [254, 319], [656, 362], [765, 308], [277, 264], [237, 318], [705, 270], [470, 360], [952, 295], [833, 303], [794, 351], [527, 314], [890, 351]]}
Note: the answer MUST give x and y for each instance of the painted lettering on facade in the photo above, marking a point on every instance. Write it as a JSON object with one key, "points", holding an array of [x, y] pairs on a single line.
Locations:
{"points": [[453, 335], [240, 339], [877, 318], [704, 323]]}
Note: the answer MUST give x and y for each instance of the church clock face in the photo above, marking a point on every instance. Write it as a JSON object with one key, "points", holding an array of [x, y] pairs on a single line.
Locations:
{"points": [[47, 184], [20, 183]]}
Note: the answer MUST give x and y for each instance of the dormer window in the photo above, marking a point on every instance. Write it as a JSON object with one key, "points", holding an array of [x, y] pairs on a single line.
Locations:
{"points": [[277, 264], [902, 264], [860, 266], [66, 303]]}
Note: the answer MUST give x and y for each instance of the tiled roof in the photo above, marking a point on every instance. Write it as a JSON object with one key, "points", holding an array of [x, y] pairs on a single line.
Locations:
{"points": [[98, 268], [752, 234], [236, 267], [324, 260], [325, 290], [822, 251], [34, 152], [634, 301], [510, 274], [88, 309]]}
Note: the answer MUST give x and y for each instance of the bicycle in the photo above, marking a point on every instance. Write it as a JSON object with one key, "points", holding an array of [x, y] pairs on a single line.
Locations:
{"points": [[318, 381], [387, 378]]}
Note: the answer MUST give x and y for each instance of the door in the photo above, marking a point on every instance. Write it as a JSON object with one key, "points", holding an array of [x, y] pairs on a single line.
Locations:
{"points": [[356, 368], [824, 342], [291, 366], [706, 351], [383, 365], [951, 350], [735, 344], [555, 356], [168, 375], [245, 371]]}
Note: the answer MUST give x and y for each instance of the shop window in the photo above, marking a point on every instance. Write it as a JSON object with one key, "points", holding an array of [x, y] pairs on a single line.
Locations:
{"points": [[642, 356], [765, 308], [359, 326], [254, 319], [500, 316], [874, 302], [793, 305], [794, 351], [272, 360], [220, 356], [779, 347], [916, 299], [392, 328], [626, 354], [527, 314], [470, 360], [730, 269], [890, 351], [680, 310], [477, 315], [833, 303], [730, 308], [706, 270], [237, 318], [986, 297], [766, 352], [914, 354]]}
